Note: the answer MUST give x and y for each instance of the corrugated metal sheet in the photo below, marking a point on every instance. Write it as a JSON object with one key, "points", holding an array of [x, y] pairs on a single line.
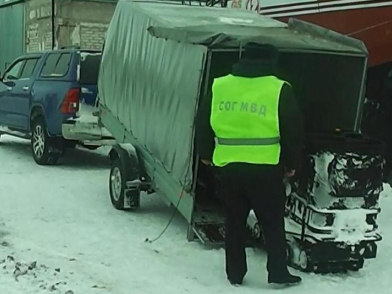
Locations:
{"points": [[11, 31]]}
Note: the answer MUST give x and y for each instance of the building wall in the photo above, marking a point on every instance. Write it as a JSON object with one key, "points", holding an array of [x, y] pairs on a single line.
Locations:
{"points": [[88, 22], [38, 25], [11, 31], [78, 23], [92, 35]]}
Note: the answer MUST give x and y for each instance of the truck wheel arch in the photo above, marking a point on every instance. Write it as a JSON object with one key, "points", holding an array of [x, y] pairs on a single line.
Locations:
{"points": [[36, 111]]}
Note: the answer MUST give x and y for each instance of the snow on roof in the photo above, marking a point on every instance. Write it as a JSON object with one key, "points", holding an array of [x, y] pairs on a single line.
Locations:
{"points": [[212, 26], [175, 15]]}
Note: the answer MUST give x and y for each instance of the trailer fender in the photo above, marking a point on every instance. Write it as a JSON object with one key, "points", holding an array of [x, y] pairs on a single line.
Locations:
{"points": [[129, 160]]}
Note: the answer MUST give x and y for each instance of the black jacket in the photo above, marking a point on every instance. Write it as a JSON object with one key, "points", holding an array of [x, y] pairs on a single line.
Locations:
{"points": [[290, 119]]}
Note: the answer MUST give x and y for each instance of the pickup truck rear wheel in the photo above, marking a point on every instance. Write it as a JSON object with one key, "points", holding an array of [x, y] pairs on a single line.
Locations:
{"points": [[45, 151]]}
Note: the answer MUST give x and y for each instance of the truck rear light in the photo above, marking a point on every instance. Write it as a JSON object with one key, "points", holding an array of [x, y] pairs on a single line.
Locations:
{"points": [[71, 101]]}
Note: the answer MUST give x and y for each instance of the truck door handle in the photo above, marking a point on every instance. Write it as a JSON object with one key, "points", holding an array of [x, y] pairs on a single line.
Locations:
{"points": [[26, 88], [9, 89]]}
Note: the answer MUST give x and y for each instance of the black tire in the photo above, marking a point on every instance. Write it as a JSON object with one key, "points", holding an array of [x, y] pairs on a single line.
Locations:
{"points": [[256, 232], [44, 148], [91, 147], [356, 265], [117, 181], [70, 144]]}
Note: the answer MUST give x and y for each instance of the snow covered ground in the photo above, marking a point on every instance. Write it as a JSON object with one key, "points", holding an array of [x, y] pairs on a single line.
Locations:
{"points": [[61, 218]]}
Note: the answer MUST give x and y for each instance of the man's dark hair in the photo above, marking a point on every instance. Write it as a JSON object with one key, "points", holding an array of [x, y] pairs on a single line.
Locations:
{"points": [[264, 53]]}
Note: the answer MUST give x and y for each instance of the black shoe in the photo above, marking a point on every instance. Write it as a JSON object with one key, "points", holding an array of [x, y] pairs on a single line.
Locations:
{"points": [[287, 279], [235, 283]]}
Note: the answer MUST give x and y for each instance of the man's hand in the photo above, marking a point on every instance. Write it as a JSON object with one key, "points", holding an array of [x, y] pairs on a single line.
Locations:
{"points": [[206, 162], [290, 174]]}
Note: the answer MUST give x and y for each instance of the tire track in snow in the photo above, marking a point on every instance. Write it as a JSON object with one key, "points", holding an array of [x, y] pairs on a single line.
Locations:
{"points": [[3, 235]]}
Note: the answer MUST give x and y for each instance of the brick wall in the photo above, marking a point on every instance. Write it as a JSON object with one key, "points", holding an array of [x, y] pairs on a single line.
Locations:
{"points": [[38, 39], [81, 24], [38, 25], [32, 38], [92, 35]]}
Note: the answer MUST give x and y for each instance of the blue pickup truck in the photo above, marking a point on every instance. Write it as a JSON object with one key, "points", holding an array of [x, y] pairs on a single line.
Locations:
{"points": [[50, 98]]}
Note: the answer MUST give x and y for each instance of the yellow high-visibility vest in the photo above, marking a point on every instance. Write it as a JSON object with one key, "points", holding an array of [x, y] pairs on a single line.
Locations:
{"points": [[245, 119]]}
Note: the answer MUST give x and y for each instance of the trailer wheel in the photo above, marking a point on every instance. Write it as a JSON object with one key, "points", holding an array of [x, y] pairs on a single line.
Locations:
{"points": [[304, 263], [117, 186], [254, 231]]}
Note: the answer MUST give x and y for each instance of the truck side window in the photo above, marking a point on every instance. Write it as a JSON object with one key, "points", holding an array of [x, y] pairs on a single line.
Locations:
{"points": [[14, 72], [28, 68], [62, 66], [56, 65]]}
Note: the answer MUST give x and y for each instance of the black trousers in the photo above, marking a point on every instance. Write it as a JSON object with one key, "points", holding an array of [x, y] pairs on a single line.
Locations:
{"points": [[244, 187]]}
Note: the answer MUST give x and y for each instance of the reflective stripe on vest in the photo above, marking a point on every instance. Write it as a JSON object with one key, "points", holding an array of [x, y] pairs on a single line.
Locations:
{"points": [[245, 119], [250, 142]]}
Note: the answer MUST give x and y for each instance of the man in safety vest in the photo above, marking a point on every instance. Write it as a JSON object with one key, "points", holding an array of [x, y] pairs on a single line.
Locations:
{"points": [[251, 129]]}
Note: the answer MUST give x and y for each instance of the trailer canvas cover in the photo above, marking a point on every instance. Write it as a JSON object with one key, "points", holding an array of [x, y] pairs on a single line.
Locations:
{"points": [[153, 67]]}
